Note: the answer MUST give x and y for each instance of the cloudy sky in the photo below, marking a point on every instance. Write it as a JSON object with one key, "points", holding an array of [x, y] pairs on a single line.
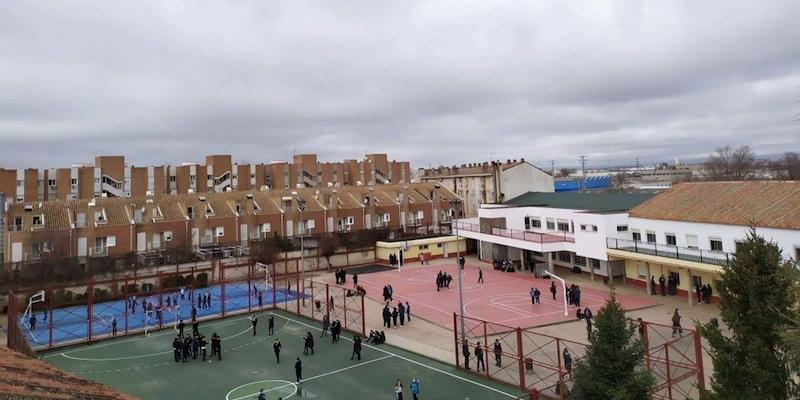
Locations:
{"points": [[430, 82]]}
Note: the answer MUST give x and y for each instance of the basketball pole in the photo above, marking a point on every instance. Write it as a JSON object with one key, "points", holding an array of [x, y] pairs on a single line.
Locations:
{"points": [[563, 289]]}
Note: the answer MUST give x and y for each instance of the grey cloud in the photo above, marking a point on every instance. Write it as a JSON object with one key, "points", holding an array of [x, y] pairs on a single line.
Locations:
{"points": [[429, 82]]}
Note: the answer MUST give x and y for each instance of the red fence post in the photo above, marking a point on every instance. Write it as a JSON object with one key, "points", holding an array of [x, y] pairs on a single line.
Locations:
{"points": [[313, 299], [521, 359], [698, 355], [222, 287], [125, 293], [669, 375], [486, 348], [160, 301], [344, 307], [89, 307], [274, 283], [250, 284], [328, 299], [455, 339], [363, 319]]}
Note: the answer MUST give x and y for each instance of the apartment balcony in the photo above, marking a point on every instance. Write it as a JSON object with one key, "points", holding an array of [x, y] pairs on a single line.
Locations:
{"points": [[711, 257], [380, 177], [113, 190], [15, 227]]}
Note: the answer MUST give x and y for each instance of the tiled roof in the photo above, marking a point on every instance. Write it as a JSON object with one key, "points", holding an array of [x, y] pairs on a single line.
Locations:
{"points": [[22, 377], [768, 204]]}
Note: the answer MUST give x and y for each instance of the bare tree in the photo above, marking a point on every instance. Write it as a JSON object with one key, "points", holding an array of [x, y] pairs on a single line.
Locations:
{"points": [[787, 167], [617, 183], [327, 247], [729, 164]]}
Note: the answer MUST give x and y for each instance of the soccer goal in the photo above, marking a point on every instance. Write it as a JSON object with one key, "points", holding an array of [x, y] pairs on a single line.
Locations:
{"points": [[38, 297]]}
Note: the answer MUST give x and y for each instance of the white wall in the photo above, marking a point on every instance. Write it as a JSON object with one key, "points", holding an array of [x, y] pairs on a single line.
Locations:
{"points": [[787, 240], [524, 178], [587, 244]]}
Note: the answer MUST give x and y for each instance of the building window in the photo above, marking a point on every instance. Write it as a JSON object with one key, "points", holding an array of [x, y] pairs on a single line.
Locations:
{"points": [[676, 277], [716, 244], [637, 236], [563, 226], [74, 181], [527, 222], [737, 244], [37, 220], [691, 241], [589, 228], [595, 263], [651, 237], [622, 228], [671, 240], [564, 256], [580, 260], [536, 223], [551, 225], [51, 182], [423, 247], [797, 253], [642, 271]]}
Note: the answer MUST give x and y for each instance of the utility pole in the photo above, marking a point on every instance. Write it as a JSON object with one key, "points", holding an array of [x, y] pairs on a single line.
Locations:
{"points": [[553, 167], [583, 170]]}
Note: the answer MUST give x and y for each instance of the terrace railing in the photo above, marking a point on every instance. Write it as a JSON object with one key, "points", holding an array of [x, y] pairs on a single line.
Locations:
{"points": [[528, 236], [669, 251]]}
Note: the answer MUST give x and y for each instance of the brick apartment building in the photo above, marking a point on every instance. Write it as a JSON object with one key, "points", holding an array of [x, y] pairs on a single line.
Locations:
{"points": [[110, 176], [111, 226]]}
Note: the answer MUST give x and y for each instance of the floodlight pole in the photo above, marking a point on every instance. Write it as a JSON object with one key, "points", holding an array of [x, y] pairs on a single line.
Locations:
{"points": [[454, 225], [301, 206], [563, 289]]}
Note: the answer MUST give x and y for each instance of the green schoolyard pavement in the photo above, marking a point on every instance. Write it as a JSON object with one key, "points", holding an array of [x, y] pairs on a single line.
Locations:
{"points": [[144, 367]]}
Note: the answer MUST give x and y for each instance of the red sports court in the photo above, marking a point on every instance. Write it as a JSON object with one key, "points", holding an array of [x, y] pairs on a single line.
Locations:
{"points": [[503, 298]]}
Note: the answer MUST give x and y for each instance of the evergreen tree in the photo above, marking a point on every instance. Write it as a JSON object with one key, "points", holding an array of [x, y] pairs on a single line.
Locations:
{"points": [[758, 300], [612, 368]]}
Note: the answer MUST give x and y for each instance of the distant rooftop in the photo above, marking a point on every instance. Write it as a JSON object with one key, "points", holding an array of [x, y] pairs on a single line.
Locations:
{"points": [[588, 200]]}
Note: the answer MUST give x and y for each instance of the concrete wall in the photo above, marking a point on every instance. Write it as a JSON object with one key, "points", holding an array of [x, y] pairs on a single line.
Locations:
{"points": [[524, 178], [438, 247]]}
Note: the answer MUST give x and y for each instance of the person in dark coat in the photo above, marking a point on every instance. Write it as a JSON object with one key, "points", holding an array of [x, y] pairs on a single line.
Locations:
{"points": [[465, 352], [356, 347], [401, 309], [181, 325], [176, 348], [271, 325], [387, 316], [479, 357], [567, 361], [276, 347], [661, 284], [395, 314], [298, 370], [309, 344], [553, 289], [254, 321], [498, 352]]}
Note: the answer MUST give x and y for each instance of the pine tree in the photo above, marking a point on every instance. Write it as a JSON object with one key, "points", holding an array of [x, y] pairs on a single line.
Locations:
{"points": [[758, 300], [612, 368]]}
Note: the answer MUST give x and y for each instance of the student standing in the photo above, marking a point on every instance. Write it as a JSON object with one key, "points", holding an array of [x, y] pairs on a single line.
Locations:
{"points": [[536, 295], [415, 388], [254, 321], [402, 311], [298, 370], [479, 357], [309, 344], [176, 348], [567, 361], [398, 390], [181, 325], [480, 275], [533, 296], [498, 352], [408, 311], [260, 300], [676, 324], [276, 347], [553, 289], [395, 314], [356, 347], [270, 325], [326, 324], [114, 326], [465, 353]]}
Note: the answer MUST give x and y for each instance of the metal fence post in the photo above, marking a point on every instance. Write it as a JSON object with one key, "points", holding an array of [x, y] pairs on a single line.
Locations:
{"points": [[89, 307], [455, 339], [669, 374], [698, 355]]}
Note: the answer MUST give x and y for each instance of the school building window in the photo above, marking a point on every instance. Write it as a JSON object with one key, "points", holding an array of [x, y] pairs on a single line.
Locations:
{"points": [[551, 225], [797, 253], [564, 256], [622, 228], [671, 240], [716, 244], [423, 247], [651, 237], [580, 260], [637, 236], [563, 226], [595, 263], [536, 223]]}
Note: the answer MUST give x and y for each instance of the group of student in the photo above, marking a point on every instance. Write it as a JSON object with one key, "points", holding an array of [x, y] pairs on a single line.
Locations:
{"points": [[413, 386], [573, 295], [480, 354], [376, 337], [191, 346], [443, 280], [401, 312], [394, 260], [334, 327], [703, 293], [668, 286], [341, 276]]}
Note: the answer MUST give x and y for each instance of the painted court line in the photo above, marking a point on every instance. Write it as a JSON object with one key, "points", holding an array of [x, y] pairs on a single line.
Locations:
{"points": [[250, 396], [413, 361]]}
